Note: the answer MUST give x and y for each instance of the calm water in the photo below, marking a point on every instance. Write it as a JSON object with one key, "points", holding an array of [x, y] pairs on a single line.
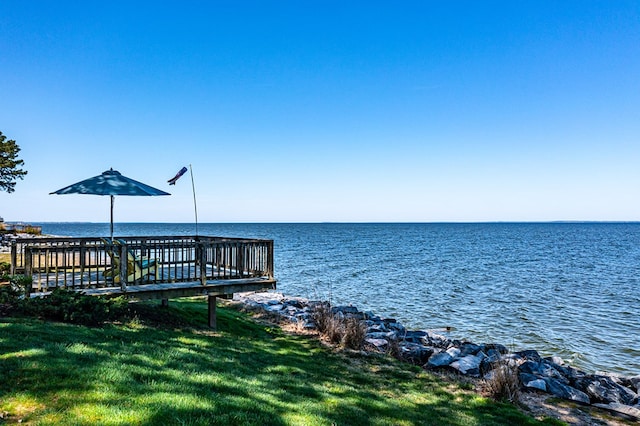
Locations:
{"points": [[566, 289]]}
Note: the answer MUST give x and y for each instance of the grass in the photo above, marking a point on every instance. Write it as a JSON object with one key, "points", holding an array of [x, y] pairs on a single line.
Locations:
{"points": [[167, 368], [5, 257]]}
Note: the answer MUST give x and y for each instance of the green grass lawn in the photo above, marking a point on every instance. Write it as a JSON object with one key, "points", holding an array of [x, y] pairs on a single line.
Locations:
{"points": [[168, 368]]}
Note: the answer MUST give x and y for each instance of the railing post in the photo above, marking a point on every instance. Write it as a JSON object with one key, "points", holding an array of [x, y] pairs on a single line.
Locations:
{"points": [[14, 257], [240, 259], [201, 253], [28, 269], [124, 266], [270, 259]]}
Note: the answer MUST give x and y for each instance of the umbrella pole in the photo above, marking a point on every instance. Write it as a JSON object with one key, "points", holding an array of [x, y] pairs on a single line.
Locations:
{"points": [[112, 217]]}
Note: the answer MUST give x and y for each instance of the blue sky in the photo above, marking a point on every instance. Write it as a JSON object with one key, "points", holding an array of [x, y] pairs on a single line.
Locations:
{"points": [[326, 111]]}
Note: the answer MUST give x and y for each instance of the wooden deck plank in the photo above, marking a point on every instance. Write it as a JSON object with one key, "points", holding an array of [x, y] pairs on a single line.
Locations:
{"points": [[182, 289]]}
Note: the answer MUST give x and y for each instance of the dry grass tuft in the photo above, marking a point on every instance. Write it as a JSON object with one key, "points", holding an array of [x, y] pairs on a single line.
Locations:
{"points": [[503, 383], [347, 332]]}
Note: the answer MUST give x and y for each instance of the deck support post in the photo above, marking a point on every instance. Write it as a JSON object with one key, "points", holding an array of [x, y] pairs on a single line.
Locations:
{"points": [[212, 311]]}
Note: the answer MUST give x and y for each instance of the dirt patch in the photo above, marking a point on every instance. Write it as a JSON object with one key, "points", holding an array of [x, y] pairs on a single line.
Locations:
{"points": [[542, 405]]}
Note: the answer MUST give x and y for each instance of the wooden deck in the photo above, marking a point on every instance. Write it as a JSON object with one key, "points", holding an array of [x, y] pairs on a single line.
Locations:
{"points": [[183, 266]]}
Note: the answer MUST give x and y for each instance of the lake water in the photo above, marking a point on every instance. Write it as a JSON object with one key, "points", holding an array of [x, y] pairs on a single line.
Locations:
{"points": [[566, 289]]}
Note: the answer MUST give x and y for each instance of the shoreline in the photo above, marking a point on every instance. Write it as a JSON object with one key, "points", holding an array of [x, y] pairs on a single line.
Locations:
{"points": [[435, 352]]}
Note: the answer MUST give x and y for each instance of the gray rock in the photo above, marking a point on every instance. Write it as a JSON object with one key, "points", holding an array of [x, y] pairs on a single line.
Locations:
{"points": [[489, 361], [440, 359], [538, 384], [542, 369], [376, 327], [563, 391], [396, 326], [493, 355], [454, 352], [554, 360], [274, 307], [381, 345], [468, 348], [345, 309], [437, 340], [605, 389], [502, 349], [389, 335], [371, 316], [415, 353], [296, 303], [529, 355], [527, 377], [632, 412], [468, 365], [414, 336], [531, 367]]}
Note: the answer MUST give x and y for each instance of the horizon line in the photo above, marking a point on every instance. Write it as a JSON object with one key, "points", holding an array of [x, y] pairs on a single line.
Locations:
{"points": [[347, 222]]}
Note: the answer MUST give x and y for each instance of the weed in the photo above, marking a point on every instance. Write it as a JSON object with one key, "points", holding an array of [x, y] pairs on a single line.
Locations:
{"points": [[502, 383], [348, 332]]}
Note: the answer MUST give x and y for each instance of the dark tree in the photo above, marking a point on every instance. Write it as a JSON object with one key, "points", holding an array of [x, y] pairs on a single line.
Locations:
{"points": [[9, 164]]}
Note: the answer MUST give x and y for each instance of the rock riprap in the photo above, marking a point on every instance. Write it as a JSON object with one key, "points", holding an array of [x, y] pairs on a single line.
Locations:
{"points": [[434, 351]]}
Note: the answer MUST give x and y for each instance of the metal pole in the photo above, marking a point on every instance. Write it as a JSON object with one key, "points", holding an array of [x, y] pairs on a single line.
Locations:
{"points": [[195, 207], [112, 197]]}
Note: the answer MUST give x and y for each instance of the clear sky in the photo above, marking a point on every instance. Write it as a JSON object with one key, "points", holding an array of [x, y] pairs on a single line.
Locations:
{"points": [[326, 111]]}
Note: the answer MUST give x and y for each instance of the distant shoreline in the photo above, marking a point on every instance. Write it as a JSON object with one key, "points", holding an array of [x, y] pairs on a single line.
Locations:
{"points": [[608, 222]]}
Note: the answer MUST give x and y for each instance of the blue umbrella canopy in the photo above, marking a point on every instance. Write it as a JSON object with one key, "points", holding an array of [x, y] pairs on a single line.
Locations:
{"points": [[110, 183]]}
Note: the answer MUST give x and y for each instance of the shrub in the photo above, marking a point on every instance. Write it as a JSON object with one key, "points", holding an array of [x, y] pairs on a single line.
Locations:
{"points": [[502, 383], [22, 283], [5, 267], [75, 307], [13, 288], [8, 294], [347, 332]]}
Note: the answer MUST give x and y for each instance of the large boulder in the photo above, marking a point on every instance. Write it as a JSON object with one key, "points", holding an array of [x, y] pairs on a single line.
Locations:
{"points": [[414, 353], [542, 369], [439, 360], [529, 381], [415, 336], [468, 348], [605, 389], [469, 365], [633, 412], [491, 359], [381, 345], [389, 335], [529, 355], [437, 340], [502, 349], [563, 391]]}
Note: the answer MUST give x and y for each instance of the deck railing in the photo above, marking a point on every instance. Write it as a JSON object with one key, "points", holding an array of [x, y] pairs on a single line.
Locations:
{"points": [[88, 263]]}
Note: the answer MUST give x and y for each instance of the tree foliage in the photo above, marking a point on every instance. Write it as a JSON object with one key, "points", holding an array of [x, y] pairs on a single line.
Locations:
{"points": [[10, 169]]}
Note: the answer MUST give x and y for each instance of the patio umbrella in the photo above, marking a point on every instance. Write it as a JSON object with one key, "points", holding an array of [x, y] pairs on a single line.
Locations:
{"points": [[110, 183]]}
